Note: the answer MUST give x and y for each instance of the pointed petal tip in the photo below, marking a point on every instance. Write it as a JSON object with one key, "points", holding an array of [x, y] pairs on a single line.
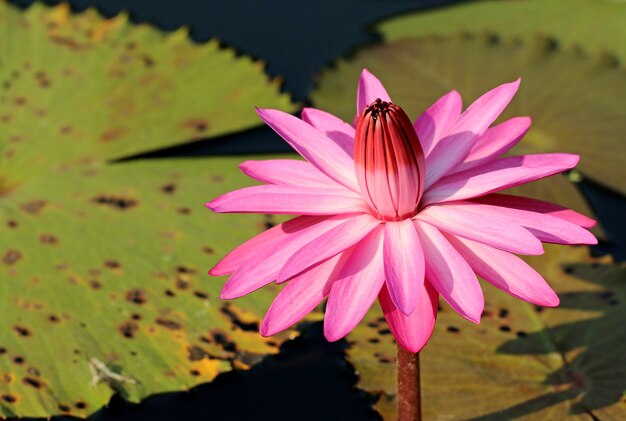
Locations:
{"points": [[265, 330], [229, 292], [211, 205], [332, 335], [215, 271]]}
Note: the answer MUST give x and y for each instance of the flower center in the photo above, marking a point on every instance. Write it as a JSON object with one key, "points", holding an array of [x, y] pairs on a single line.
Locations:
{"points": [[389, 161]]}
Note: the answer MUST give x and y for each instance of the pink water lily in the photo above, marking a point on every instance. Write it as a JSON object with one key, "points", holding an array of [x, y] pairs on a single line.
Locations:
{"points": [[399, 211]]}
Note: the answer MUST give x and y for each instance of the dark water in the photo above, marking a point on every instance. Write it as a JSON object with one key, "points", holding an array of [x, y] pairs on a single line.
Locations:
{"points": [[309, 379]]}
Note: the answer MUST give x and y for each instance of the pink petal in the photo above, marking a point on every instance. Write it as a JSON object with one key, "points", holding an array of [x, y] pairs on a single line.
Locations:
{"points": [[289, 200], [496, 141], [534, 205], [404, 264], [329, 244], [288, 172], [263, 242], [450, 274], [333, 127], [434, 123], [492, 229], [506, 272], [299, 297], [498, 175], [460, 139], [545, 227], [313, 145], [370, 88], [357, 284], [262, 266], [414, 330]]}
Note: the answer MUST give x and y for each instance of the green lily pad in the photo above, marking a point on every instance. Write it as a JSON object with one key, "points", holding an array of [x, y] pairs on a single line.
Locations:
{"points": [[103, 274], [595, 25], [103, 282], [521, 361], [78, 88], [575, 101]]}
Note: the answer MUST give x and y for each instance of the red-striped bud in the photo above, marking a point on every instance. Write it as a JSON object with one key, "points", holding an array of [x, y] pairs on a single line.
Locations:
{"points": [[389, 161]]}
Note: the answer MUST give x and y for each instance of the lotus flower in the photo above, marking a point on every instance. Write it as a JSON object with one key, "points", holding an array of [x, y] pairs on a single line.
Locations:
{"points": [[399, 211]]}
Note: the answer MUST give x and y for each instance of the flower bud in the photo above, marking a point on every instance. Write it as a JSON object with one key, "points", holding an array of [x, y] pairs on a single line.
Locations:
{"points": [[389, 161]]}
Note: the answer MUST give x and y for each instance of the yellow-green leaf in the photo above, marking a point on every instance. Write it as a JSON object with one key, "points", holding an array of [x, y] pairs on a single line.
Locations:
{"points": [[103, 274], [78, 88], [597, 26]]}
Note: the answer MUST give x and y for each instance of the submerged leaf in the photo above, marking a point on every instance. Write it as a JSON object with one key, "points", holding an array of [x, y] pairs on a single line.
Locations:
{"points": [[522, 360], [595, 25], [575, 102]]}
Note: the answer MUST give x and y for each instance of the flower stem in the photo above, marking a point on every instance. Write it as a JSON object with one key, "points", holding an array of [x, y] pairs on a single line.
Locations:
{"points": [[408, 395]]}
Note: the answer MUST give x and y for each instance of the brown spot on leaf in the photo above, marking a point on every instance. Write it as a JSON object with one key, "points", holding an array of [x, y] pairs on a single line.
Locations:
{"points": [[12, 223], [112, 134], [170, 293], [208, 250], [198, 125], [65, 129], [184, 211], [3, 350], [120, 203], [33, 371], [453, 329], [168, 188], [194, 373], [147, 60], [9, 398], [112, 264], [195, 353], [22, 330], [5, 118], [33, 207], [19, 101], [64, 408], [19, 360], [168, 324], [200, 294], [182, 282], [136, 296], [128, 329], [54, 318], [7, 378], [80, 405], [135, 316], [95, 284], [32, 382], [229, 312], [11, 257], [221, 338], [48, 239], [185, 269]]}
